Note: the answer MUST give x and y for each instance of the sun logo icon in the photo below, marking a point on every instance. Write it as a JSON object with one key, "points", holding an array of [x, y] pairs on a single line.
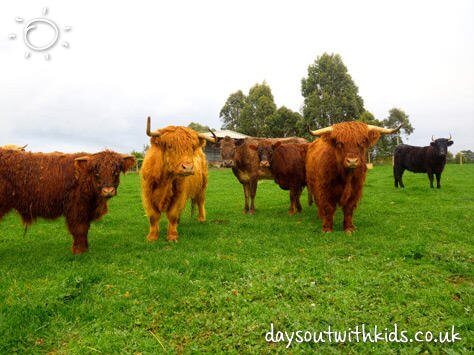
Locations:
{"points": [[40, 34]]}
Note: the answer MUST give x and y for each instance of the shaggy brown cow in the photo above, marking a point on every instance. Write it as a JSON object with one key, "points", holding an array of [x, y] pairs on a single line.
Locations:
{"points": [[287, 165], [245, 164], [14, 147], [76, 186], [336, 168], [174, 170]]}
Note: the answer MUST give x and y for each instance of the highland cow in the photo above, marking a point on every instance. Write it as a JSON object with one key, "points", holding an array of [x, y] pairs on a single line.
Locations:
{"points": [[174, 170], [336, 168], [287, 166], [245, 164], [76, 186]]}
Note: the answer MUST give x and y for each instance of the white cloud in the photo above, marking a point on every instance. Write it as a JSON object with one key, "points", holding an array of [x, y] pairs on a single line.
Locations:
{"points": [[178, 61]]}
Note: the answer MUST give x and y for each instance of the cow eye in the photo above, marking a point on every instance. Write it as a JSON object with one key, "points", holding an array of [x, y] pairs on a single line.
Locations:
{"points": [[339, 145]]}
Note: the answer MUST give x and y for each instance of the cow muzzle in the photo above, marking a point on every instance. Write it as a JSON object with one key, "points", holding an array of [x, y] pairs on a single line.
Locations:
{"points": [[228, 163], [264, 164], [187, 169], [351, 163], [108, 192]]}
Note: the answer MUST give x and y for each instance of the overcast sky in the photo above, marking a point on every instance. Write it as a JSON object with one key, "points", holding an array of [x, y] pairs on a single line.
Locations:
{"points": [[179, 60]]}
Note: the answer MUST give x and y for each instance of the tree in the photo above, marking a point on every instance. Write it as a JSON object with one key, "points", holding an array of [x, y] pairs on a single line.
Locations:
{"points": [[330, 95], [387, 143], [230, 112], [467, 156], [257, 111], [283, 123], [198, 127]]}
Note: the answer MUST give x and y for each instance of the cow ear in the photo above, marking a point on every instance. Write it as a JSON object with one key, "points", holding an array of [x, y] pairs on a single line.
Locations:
{"points": [[128, 163], [373, 137], [202, 142], [253, 147], [433, 144], [81, 162], [276, 145], [450, 143]]}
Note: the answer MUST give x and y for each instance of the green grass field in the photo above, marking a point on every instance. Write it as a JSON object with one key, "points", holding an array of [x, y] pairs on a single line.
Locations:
{"points": [[219, 288]]}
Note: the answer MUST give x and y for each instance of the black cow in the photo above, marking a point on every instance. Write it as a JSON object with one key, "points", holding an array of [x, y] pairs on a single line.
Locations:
{"points": [[430, 160]]}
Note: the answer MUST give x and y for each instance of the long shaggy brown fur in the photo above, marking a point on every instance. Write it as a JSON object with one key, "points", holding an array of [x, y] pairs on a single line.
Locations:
{"points": [[245, 163], [57, 184], [329, 178], [165, 189]]}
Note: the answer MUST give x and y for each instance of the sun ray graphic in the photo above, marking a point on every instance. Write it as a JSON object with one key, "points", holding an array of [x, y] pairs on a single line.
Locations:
{"points": [[35, 24]]}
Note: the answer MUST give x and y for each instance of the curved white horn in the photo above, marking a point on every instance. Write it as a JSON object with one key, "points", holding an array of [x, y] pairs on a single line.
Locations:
{"points": [[320, 131], [383, 130]]}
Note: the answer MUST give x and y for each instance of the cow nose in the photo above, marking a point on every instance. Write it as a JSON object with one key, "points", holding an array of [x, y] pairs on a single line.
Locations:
{"points": [[108, 191], [228, 163], [352, 163], [264, 164], [187, 168]]}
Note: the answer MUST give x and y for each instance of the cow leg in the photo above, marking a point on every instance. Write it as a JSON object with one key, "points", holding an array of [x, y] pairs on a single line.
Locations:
{"points": [[200, 200], [326, 211], [430, 176], [438, 180], [79, 232], [397, 174], [310, 198], [292, 209], [246, 187], [154, 232], [295, 205], [173, 217], [348, 211], [299, 208], [253, 192]]}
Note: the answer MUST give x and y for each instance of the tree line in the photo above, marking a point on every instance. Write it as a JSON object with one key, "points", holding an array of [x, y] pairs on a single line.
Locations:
{"points": [[330, 96]]}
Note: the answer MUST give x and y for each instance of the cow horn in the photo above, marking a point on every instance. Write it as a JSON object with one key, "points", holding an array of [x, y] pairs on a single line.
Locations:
{"points": [[320, 131], [383, 130], [148, 129], [448, 138], [83, 158], [26, 145], [213, 134], [432, 138], [204, 136]]}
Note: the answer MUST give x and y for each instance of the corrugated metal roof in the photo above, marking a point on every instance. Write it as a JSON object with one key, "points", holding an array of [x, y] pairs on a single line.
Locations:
{"points": [[227, 132]]}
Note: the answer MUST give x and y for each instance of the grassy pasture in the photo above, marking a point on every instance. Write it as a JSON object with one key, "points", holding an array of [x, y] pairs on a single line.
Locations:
{"points": [[220, 286]]}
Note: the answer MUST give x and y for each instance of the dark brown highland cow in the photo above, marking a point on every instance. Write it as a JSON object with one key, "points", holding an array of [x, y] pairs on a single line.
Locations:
{"points": [[287, 165], [245, 164], [76, 186]]}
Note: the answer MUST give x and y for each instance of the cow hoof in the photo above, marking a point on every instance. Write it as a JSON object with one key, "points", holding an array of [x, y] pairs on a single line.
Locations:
{"points": [[173, 238], [291, 213], [202, 219], [79, 250], [245, 211], [152, 237], [327, 230], [251, 211]]}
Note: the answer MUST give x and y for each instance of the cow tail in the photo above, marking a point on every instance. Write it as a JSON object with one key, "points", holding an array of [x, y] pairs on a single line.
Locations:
{"points": [[310, 198]]}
